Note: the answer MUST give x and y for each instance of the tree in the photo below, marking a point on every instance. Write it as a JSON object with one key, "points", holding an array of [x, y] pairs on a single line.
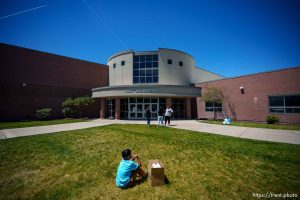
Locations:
{"points": [[215, 96], [81, 102], [72, 106]]}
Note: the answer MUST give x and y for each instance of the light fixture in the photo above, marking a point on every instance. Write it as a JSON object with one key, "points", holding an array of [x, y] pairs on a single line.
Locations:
{"points": [[242, 90]]}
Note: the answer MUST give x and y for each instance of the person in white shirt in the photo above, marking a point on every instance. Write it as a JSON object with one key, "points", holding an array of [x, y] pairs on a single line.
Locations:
{"points": [[168, 115]]}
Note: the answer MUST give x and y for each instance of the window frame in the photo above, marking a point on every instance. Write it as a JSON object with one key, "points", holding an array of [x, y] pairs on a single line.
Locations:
{"points": [[282, 109], [213, 107], [145, 69]]}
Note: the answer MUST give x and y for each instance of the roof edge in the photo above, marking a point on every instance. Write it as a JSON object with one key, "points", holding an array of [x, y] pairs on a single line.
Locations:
{"points": [[265, 72]]}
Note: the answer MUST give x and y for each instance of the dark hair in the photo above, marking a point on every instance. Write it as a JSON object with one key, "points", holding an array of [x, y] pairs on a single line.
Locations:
{"points": [[126, 153]]}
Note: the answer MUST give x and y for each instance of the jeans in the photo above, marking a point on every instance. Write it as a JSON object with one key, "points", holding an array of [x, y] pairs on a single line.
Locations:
{"points": [[148, 120], [160, 120]]}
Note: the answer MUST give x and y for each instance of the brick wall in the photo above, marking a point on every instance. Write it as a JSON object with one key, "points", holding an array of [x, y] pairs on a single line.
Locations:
{"points": [[253, 105], [32, 79]]}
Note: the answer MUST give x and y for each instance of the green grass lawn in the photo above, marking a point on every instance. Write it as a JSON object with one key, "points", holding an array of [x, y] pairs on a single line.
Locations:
{"points": [[82, 164], [257, 125], [8, 125]]}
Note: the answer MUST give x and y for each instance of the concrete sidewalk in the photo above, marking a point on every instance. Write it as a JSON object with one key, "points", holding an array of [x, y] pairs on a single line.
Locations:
{"points": [[272, 135]]}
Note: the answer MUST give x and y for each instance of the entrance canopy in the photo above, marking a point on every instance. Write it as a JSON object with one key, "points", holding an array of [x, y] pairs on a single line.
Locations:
{"points": [[146, 90]]}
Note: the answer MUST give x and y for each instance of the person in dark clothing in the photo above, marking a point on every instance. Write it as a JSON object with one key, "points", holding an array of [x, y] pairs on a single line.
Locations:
{"points": [[160, 117], [148, 115]]}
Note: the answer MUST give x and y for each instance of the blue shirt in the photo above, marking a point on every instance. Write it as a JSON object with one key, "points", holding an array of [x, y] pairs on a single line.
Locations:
{"points": [[124, 172]]}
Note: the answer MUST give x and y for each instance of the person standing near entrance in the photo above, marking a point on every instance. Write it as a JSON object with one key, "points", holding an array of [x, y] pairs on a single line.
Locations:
{"points": [[168, 115], [148, 115], [160, 117]]}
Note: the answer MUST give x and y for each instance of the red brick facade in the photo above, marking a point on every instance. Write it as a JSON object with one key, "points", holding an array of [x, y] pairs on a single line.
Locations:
{"points": [[32, 80], [253, 105]]}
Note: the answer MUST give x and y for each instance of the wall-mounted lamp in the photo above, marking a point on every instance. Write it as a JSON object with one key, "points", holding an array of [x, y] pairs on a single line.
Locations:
{"points": [[242, 90], [23, 84]]}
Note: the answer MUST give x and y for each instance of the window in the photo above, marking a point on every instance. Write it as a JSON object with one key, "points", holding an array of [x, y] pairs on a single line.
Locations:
{"points": [[178, 106], [110, 108], [284, 104], [122, 62], [180, 63], [213, 106], [169, 61], [114, 65], [145, 69]]}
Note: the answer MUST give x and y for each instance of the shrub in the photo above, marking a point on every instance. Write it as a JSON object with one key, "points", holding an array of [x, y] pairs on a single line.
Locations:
{"points": [[43, 114], [272, 119], [68, 112]]}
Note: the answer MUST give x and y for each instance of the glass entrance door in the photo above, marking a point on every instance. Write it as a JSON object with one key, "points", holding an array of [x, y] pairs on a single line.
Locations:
{"points": [[137, 107]]}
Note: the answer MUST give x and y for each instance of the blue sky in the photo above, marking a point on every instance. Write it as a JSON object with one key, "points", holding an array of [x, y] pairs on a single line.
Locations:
{"points": [[229, 37]]}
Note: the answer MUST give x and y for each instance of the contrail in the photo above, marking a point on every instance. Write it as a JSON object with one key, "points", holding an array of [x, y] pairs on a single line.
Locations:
{"points": [[102, 21], [22, 12]]}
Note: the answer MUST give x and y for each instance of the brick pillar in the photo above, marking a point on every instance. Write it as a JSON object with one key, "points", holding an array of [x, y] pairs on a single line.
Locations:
{"points": [[168, 102], [102, 108], [117, 108], [188, 108]]}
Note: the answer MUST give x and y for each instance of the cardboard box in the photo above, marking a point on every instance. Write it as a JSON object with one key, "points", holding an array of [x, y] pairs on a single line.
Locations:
{"points": [[156, 175]]}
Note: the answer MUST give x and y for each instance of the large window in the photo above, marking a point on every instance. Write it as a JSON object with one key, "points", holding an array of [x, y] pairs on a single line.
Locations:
{"points": [[178, 106], [284, 104], [145, 69], [213, 106], [110, 108]]}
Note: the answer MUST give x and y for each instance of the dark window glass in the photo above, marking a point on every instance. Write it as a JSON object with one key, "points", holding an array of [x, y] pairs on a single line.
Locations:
{"points": [[296, 110], [155, 64], [180, 63], [155, 72], [217, 104], [132, 100], [136, 59], [149, 58], [136, 72], [136, 66], [142, 72], [154, 100], [292, 100], [114, 65], [142, 58], [136, 79], [148, 72], [142, 80], [140, 100], [276, 101], [289, 110], [155, 57], [148, 64], [169, 61], [209, 104], [155, 79], [149, 79], [146, 100], [142, 65], [122, 62]]}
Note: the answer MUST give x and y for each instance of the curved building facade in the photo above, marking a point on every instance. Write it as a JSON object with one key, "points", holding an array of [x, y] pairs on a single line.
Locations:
{"points": [[161, 78]]}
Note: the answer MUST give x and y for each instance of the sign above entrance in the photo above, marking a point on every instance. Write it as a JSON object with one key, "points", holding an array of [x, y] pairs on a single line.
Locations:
{"points": [[141, 90]]}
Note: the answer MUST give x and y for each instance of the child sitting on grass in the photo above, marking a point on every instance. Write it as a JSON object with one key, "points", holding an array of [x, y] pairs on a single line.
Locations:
{"points": [[129, 167]]}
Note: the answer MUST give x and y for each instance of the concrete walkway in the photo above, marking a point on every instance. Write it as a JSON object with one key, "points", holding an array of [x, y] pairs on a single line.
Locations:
{"points": [[273, 135]]}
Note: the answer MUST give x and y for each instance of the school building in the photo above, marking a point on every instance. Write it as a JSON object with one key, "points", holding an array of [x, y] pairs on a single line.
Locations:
{"points": [[131, 81]]}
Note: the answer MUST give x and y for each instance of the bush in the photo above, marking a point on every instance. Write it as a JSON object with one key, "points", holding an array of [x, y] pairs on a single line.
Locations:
{"points": [[43, 114], [68, 112], [272, 119]]}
